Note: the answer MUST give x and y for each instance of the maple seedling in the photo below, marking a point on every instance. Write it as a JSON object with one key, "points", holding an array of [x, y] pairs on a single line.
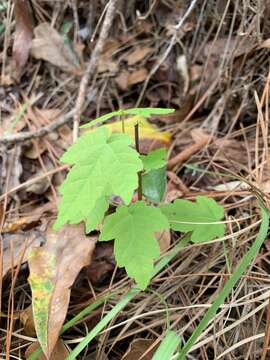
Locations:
{"points": [[106, 164]]}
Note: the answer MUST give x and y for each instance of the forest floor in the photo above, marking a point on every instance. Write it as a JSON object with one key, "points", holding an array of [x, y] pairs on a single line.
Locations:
{"points": [[65, 61]]}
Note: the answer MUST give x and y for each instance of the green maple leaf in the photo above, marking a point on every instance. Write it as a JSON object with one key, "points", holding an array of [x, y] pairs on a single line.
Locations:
{"points": [[133, 228], [154, 160], [202, 218], [103, 166]]}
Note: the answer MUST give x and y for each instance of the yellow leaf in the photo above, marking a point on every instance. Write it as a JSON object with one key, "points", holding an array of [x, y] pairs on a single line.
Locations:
{"points": [[146, 130]]}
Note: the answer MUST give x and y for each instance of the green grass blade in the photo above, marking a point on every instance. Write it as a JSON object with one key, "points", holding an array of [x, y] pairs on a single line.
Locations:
{"points": [[241, 268], [86, 311], [100, 326], [167, 347]]}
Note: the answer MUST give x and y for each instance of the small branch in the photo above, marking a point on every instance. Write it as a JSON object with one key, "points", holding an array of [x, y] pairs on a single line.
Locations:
{"points": [[167, 51], [137, 145], [91, 67], [267, 334], [188, 152], [27, 135]]}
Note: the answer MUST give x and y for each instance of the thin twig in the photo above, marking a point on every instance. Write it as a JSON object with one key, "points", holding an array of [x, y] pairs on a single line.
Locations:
{"points": [[167, 51], [29, 135], [92, 65], [137, 144]]}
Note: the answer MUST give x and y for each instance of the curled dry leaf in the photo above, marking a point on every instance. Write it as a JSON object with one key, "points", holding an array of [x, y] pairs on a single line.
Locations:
{"points": [[23, 35], [49, 45], [53, 269]]}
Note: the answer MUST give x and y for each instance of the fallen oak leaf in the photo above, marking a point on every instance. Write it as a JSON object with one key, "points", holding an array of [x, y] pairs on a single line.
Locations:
{"points": [[53, 269]]}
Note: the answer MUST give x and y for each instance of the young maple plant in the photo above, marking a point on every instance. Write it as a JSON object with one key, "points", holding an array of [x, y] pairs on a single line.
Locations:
{"points": [[106, 164]]}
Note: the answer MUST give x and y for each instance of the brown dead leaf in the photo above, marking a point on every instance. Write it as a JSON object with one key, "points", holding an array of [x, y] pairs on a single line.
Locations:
{"points": [[201, 139], [43, 117], [138, 54], [164, 240], [35, 214], [173, 195], [23, 35], [122, 80], [125, 79], [10, 168], [53, 269], [265, 44], [60, 351], [107, 65], [106, 62], [137, 76], [26, 318], [34, 151], [138, 347], [49, 45], [200, 136], [103, 263], [17, 248]]}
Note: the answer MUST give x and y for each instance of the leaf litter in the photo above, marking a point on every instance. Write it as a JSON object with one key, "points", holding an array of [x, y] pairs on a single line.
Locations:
{"points": [[225, 56]]}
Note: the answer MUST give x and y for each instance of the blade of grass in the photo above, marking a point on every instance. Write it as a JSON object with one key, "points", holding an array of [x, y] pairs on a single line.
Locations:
{"points": [[167, 346], [102, 323], [241, 268]]}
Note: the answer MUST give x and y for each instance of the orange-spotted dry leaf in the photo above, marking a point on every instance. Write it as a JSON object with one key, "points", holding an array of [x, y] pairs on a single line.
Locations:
{"points": [[53, 269]]}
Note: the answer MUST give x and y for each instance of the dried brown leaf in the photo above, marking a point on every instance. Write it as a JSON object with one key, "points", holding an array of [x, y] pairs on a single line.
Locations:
{"points": [[48, 45], [16, 248], [138, 54], [27, 319], [138, 347], [137, 76], [23, 35], [60, 351], [53, 269], [164, 240]]}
